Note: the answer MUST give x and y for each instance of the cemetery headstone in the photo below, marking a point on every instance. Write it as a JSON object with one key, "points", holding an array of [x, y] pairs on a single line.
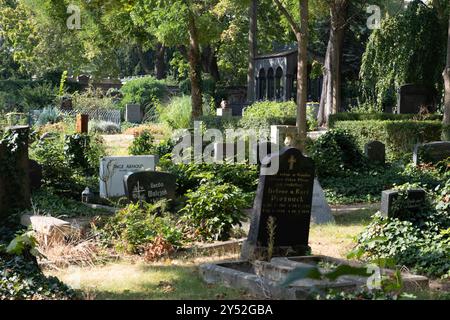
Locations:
{"points": [[113, 170], [284, 198], [66, 103], [82, 123], [432, 152], [412, 97], [133, 113], [392, 207], [150, 186], [375, 151]]}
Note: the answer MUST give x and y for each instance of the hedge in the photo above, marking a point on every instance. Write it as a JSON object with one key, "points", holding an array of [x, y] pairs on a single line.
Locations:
{"points": [[354, 116], [400, 137]]}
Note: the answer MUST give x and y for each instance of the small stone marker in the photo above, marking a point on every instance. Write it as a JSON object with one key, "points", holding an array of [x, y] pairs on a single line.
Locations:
{"points": [[82, 123], [375, 151], [113, 169], [287, 197], [150, 186], [133, 113], [432, 152], [224, 112], [414, 202]]}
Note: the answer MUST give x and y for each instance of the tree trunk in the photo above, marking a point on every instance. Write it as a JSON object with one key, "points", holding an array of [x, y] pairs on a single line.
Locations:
{"points": [[160, 66], [252, 50], [446, 75], [302, 74], [209, 62], [331, 91], [143, 59], [195, 69]]}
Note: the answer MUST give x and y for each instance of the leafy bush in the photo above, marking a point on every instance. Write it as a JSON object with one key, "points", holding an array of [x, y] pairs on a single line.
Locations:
{"points": [[177, 114], [420, 241], [400, 137], [49, 115], [208, 86], [133, 227], [214, 209], [335, 153], [104, 127], [261, 115], [92, 99], [83, 152], [142, 144], [24, 95], [144, 91]]}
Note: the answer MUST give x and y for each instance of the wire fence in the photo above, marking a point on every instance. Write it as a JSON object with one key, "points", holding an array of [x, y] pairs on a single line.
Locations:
{"points": [[109, 115]]}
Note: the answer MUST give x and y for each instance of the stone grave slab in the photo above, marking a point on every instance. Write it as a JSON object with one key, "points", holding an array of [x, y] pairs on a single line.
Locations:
{"points": [[432, 152]]}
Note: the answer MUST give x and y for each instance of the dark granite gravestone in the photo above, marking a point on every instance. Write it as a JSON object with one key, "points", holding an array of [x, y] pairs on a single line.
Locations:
{"points": [[412, 97], [35, 174], [392, 207], [287, 197], [375, 151], [432, 152], [149, 186], [133, 113]]}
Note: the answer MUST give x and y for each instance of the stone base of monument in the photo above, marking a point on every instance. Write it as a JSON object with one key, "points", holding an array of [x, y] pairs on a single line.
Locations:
{"points": [[264, 279], [253, 252]]}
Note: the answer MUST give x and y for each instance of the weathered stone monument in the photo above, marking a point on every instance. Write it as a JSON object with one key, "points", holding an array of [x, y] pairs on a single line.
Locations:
{"points": [[375, 151], [285, 199], [392, 207], [133, 113], [412, 97], [82, 125], [432, 152], [150, 186], [113, 170], [14, 173]]}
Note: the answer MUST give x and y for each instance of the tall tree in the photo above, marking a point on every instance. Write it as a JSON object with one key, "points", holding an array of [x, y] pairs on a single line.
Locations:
{"points": [[252, 49], [300, 30], [446, 75], [330, 101]]}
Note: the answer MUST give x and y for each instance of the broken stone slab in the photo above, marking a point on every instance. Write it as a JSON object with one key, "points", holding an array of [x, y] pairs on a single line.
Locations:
{"points": [[53, 229]]}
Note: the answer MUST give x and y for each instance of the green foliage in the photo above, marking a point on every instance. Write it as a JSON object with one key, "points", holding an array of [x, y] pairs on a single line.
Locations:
{"points": [[93, 99], [420, 242], [409, 48], [336, 153], [400, 137], [142, 144], [360, 116], [214, 209], [177, 114], [261, 115], [144, 91], [22, 280], [22, 243], [83, 152], [208, 86], [49, 115], [23, 95], [134, 226]]}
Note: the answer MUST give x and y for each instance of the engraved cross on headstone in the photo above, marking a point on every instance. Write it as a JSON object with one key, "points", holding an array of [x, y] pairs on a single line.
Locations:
{"points": [[292, 161], [137, 192]]}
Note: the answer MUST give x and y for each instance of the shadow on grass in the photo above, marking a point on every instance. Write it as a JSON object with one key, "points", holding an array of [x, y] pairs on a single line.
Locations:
{"points": [[159, 282]]}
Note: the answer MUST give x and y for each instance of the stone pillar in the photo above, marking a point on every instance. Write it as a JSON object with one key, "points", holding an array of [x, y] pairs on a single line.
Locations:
{"points": [[82, 123], [14, 178]]}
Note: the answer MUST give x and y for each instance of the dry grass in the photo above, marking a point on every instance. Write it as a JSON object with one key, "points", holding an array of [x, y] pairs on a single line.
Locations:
{"points": [[117, 144], [158, 130]]}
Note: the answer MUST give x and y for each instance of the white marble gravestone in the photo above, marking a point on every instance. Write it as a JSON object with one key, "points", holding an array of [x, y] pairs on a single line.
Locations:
{"points": [[113, 169]]}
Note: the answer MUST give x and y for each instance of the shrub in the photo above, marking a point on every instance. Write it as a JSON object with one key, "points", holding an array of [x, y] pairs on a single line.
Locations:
{"points": [[177, 114], [208, 86], [142, 144], [133, 228], [400, 137], [92, 99], [214, 209], [49, 115], [261, 115], [359, 116], [144, 91], [336, 152], [25, 95], [104, 127]]}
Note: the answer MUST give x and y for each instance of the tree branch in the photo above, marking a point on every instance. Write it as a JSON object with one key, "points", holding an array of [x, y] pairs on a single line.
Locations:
{"points": [[288, 16]]}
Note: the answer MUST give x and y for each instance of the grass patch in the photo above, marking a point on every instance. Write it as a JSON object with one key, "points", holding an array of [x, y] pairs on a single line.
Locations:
{"points": [[140, 281]]}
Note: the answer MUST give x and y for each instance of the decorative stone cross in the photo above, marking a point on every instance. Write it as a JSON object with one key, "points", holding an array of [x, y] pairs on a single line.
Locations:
{"points": [[292, 161]]}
